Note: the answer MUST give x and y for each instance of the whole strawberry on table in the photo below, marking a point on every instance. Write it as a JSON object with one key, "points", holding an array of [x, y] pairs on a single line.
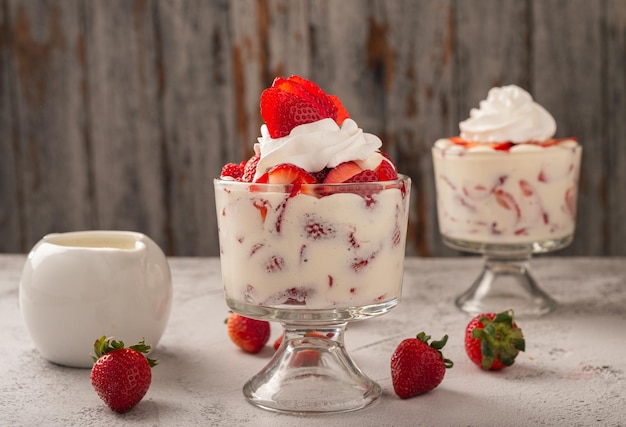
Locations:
{"points": [[250, 335], [417, 366], [121, 375], [493, 340]]}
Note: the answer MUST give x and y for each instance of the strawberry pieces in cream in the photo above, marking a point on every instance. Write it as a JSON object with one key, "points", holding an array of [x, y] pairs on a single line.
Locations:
{"points": [[506, 180], [317, 218]]}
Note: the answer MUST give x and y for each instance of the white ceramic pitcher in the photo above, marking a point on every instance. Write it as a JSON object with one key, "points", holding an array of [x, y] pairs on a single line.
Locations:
{"points": [[78, 286]]}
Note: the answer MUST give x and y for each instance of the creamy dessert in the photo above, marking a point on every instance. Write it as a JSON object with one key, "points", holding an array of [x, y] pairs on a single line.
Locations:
{"points": [[506, 180], [317, 218]]}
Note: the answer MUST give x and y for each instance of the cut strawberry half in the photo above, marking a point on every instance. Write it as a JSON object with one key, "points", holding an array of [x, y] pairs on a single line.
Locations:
{"points": [[386, 171], [286, 173], [295, 101], [366, 175], [309, 91], [342, 113], [342, 172], [283, 111], [250, 168], [507, 201], [232, 170]]}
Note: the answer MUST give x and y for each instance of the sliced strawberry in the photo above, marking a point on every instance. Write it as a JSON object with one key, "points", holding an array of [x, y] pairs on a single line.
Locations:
{"points": [[571, 196], [286, 173], [367, 175], [507, 201], [527, 189], [263, 179], [250, 168], [309, 91], [262, 206], [502, 146], [386, 172], [295, 101], [342, 172], [342, 113], [232, 170], [283, 111]]}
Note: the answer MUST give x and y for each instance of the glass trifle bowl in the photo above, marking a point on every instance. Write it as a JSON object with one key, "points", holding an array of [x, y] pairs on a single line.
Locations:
{"points": [[507, 190], [312, 257]]}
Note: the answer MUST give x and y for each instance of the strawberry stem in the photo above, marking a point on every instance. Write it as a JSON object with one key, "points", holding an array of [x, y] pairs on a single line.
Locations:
{"points": [[437, 345], [500, 338], [104, 345]]}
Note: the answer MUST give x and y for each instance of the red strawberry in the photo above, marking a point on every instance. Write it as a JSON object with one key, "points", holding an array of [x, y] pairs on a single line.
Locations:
{"points": [[502, 146], [418, 367], [342, 113], [283, 111], [278, 341], [121, 376], [308, 90], [366, 175], [492, 341], [250, 168], [342, 172], [386, 171], [286, 173], [233, 170], [507, 201], [250, 335], [295, 101]]}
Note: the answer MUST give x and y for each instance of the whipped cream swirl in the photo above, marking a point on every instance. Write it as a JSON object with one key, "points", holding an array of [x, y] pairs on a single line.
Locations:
{"points": [[508, 114], [314, 146]]}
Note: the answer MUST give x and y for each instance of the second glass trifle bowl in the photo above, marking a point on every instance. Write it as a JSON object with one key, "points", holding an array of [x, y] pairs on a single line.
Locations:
{"points": [[312, 257], [507, 204]]}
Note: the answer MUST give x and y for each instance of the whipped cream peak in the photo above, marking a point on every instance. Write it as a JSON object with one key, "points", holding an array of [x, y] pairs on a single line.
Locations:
{"points": [[508, 114], [314, 146]]}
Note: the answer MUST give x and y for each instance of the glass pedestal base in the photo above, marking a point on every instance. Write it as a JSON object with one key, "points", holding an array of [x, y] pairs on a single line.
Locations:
{"points": [[505, 281], [311, 373]]}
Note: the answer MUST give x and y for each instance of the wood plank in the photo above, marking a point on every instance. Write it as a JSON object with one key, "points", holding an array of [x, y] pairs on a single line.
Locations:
{"points": [[48, 117], [486, 48], [420, 107], [567, 80], [10, 189], [124, 135], [492, 49], [614, 118], [197, 117], [118, 114]]}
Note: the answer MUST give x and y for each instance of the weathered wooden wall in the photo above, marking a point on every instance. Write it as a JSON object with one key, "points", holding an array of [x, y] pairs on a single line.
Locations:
{"points": [[118, 113]]}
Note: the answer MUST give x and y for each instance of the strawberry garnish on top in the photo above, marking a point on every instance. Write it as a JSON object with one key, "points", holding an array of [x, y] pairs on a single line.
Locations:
{"points": [[342, 172], [505, 145], [286, 173], [296, 101], [233, 170], [386, 171]]}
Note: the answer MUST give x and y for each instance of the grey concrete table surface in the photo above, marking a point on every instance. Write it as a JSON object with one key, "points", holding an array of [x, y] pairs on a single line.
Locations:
{"points": [[573, 372]]}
